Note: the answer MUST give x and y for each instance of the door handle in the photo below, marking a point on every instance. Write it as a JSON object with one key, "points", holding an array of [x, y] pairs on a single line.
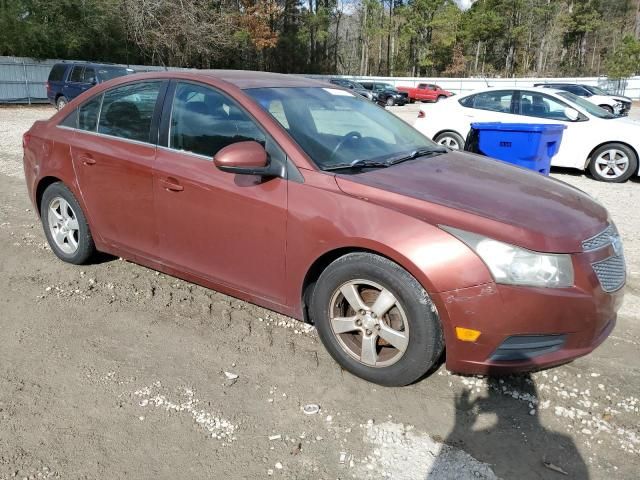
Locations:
{"points": [[87, 159], [171, 184]]}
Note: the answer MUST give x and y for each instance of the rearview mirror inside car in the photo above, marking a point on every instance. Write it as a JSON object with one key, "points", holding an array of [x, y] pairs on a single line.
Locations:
{"points": [[571, 114], [247, 158]]}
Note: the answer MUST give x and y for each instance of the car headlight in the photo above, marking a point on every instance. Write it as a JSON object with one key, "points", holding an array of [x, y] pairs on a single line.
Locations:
{"points": [[518, 266]]}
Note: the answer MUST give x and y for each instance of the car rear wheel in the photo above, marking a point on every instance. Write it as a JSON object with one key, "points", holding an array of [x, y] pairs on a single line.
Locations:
{"points": [[608, 108], [65, 225], [61, 102], [376, 320], [451, 140], [390, 102], [613, 162]]}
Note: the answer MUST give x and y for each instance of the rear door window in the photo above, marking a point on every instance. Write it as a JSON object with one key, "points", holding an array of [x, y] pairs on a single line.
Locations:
{"points": [[76, 74], [88, 114], [498, 101], [127, 111], [57, 72], [203, 121]]}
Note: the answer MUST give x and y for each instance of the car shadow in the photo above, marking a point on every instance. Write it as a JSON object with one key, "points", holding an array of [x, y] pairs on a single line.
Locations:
{"points": [[503, 429]]}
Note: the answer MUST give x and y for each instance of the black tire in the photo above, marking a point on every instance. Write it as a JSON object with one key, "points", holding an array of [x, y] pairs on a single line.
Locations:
{"points": [[598, 172], [61, 102], [390, 102], [440, 97], [448, 139], [425, 338], [608, 108], [85, 246]]}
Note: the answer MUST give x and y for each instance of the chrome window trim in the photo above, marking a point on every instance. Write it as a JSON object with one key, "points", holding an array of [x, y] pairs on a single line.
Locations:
{"points": [[106, 135], [186, 152]]}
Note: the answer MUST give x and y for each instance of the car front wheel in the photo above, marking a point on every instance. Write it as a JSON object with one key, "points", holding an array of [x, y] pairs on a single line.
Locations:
{"points": [[65, 225], [376, 320], [451, 140], [390, 102], [608, 108], [614, 163]]}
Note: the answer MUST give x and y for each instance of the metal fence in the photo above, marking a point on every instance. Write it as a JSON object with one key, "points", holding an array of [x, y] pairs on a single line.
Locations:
{"points": [[629, 87], [23, 80]]}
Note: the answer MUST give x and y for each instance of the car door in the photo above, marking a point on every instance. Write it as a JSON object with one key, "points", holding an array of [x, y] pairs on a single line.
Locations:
{"points": [[489, 106], [74, 85], [227, 228], [537, 107], [113, 153]]}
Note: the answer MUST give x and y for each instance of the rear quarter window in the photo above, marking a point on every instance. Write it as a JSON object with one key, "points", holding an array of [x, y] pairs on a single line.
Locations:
{"points": [[57, 73]]}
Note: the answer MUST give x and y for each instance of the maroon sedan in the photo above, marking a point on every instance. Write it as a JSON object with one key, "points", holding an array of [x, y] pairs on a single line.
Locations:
{"points": [[306, 199]]}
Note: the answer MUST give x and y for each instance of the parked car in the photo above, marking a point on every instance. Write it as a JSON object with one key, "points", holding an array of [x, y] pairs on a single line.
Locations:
{"points": [[617, 104], [386, 94], [594, 139], [355, 86], [425, 92], [67, 80], [315, 203]]}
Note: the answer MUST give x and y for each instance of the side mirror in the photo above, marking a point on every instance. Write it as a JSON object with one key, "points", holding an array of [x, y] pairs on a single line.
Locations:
{"points": [[571, 114], [247, 158]]}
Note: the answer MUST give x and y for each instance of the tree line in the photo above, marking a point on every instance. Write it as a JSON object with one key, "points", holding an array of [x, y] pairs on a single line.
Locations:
{"points": [[351, 37]]}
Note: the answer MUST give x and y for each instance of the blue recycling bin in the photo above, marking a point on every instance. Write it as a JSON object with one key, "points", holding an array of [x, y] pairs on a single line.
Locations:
{"points": [[528, 145]]}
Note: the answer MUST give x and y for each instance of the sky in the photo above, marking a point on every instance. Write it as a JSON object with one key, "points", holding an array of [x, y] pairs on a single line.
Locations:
{"points": [[464, 4]]}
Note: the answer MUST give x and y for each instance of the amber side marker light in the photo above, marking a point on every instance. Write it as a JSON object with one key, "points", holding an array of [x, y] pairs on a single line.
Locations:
{"points": [[467, 334]]}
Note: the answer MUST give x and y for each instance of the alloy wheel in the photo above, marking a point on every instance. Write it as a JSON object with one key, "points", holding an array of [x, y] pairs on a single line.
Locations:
{"points": [[612, 163], [369, 323], [450, 142], [63, 225]]}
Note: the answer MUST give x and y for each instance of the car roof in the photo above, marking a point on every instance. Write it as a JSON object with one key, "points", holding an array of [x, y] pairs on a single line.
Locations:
{"points": [[250, 79], [243, 79], [92, 64], [514, 87]]}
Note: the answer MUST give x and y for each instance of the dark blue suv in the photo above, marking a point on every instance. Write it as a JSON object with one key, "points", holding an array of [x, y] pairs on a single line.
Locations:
{"points": [[67, 80]]}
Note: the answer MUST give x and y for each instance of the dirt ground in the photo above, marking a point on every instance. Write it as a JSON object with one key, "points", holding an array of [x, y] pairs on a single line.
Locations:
{"points": [[115, 371]]}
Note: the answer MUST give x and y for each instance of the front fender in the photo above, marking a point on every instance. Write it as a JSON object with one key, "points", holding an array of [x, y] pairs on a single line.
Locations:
{"points": [[322, 220]]}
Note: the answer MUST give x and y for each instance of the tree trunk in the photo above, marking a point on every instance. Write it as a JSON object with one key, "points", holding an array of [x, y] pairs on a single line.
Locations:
{"points": [[365, 43], [475, 65]]}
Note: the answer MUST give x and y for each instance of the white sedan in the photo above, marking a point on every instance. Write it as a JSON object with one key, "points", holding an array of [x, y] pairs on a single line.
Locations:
{"points": [[595, 139]]}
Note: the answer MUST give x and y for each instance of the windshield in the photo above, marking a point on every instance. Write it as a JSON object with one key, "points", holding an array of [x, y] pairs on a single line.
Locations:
{"points": [[110, 73], [591, 108], [336, 128], [596, 90]]}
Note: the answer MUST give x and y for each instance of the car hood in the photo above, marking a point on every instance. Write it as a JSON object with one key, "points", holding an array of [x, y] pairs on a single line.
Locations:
{"points": [[484, 196]]}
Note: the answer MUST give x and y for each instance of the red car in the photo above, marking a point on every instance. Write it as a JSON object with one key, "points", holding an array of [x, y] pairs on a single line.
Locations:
{"points": [[309, 200], [425, 92]]}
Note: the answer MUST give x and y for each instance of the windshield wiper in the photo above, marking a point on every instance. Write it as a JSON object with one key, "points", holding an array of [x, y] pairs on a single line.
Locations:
{"points": [[423, 152], [359, 163]]}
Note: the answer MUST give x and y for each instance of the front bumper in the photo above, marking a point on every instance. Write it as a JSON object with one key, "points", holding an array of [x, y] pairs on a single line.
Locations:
{"points": [[527, 328]]}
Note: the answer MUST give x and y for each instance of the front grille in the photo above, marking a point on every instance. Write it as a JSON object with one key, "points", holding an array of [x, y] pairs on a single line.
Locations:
{"points": [[600, 240], [611, 273]]}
